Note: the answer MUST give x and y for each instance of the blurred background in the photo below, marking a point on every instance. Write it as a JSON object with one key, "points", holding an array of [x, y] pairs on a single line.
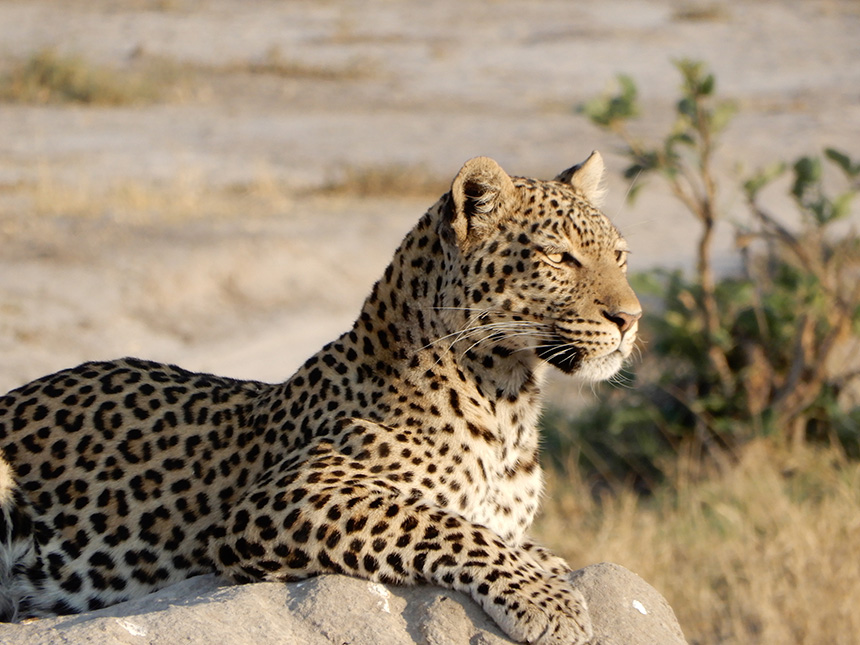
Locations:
{"points": [[218, 183]]}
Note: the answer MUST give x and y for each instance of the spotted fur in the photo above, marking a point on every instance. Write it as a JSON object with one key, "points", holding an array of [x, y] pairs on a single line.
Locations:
{"points": [[404, 451]]}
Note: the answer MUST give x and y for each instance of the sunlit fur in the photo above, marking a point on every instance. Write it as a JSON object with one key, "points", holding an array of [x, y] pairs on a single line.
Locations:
{"points": [[405, 450]]}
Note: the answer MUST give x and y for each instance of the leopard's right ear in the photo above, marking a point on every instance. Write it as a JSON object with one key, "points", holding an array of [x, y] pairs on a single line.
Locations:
{"points": [[587, 178], [481, 193]]}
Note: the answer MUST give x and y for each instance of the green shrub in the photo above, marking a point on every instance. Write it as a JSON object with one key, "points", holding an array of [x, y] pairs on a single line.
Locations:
{"points": [[730, 358]]}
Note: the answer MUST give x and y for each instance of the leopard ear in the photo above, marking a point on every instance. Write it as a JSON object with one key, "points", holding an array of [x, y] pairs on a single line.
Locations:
{"points": [[481, 192], [587, 178]]}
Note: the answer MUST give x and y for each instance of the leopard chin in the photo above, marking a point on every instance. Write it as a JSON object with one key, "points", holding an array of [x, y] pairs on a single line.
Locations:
{"points": [[601, 368]]}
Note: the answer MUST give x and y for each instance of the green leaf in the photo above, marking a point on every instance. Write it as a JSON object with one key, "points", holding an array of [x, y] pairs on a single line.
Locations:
{"points": [[642, 163], [675, 319], [722, 115], [691, 71], [841, 206], [629, 91], [647, 283], [634, 189], [762, 178], [807, 171], [706, 87], [634, 170], [687, 107], [843, 161], [821, 210], [684, 138], [607, 110]]}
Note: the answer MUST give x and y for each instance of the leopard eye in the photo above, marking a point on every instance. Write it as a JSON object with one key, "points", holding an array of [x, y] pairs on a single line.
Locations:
{"points": [[570, 260], [562, 258], [621, 257]]}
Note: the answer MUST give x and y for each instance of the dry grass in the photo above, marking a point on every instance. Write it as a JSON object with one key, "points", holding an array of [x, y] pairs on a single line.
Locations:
{"points": [[274, 63], [187, 196], [385, 181], [190, 195], [695, 12], [768, 552], [50, 77]]}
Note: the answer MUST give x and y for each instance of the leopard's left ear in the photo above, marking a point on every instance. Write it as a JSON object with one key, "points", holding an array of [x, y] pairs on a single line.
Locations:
{"points": [[587, 178], [481, 193]]}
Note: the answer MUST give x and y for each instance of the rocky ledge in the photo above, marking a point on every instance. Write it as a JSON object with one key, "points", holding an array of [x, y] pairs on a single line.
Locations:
{"points": [[332, 610]]}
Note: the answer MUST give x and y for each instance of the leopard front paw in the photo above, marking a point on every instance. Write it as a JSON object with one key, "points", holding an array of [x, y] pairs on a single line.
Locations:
{"points": [[547, 611], [546, 560]]}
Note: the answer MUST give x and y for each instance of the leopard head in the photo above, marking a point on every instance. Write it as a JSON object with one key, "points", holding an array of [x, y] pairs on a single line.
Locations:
{"points": [[541, 272]]}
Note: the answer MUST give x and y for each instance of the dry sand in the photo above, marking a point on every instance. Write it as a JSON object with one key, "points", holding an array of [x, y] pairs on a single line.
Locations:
{"points": [[362, 85]]}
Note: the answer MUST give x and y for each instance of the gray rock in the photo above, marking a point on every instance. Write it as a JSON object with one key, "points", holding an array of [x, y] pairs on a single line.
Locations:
{"points": [[333, 610], [626, 610]]}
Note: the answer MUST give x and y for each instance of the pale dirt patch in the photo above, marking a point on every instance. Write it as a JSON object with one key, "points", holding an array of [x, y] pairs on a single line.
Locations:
{"points": [[179, 231], [109, 246]]}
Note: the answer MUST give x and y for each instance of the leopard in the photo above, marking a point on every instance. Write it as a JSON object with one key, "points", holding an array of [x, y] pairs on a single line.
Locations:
{"points": [[406, 451]]}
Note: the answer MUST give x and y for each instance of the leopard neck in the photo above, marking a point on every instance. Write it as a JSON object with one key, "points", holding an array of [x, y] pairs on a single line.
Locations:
{"points": [[417, 319]]}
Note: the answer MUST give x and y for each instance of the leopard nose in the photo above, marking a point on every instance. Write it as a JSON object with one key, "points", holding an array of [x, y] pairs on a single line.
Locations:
{"points": [[623, 319]]}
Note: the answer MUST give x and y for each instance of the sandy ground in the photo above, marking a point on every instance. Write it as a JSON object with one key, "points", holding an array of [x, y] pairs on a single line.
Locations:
{"points": [[117, 235]]}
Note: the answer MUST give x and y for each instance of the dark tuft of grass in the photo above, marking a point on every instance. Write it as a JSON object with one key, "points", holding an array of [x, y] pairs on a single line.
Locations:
{"points": [[385, 181], [50, 77], [700, 13]]}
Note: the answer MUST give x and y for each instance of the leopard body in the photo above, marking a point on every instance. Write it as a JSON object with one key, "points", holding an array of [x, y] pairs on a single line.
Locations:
{"points": [[404, 451]]}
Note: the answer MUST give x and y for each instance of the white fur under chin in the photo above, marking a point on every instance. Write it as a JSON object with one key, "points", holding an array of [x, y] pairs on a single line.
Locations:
{"points": [[601, 368]]}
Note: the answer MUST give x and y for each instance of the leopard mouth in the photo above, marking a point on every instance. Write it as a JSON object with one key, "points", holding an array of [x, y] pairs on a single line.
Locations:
{"points": [[561, 355], [573, 361]]}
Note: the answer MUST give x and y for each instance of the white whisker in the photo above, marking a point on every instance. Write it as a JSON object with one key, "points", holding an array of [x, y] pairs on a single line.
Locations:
{"points": [[518, 334], [481, 328], [627, 194]]}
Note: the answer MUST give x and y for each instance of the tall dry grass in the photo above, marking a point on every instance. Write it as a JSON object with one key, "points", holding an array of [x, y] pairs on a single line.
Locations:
{"points": [[187, 195], [191, 195], [767, 551], [389, 180], [48, 76]]}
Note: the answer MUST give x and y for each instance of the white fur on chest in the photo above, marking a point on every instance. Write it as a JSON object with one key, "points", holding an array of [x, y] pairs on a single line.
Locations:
{"points": [[509, 506], [511, 480]]}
